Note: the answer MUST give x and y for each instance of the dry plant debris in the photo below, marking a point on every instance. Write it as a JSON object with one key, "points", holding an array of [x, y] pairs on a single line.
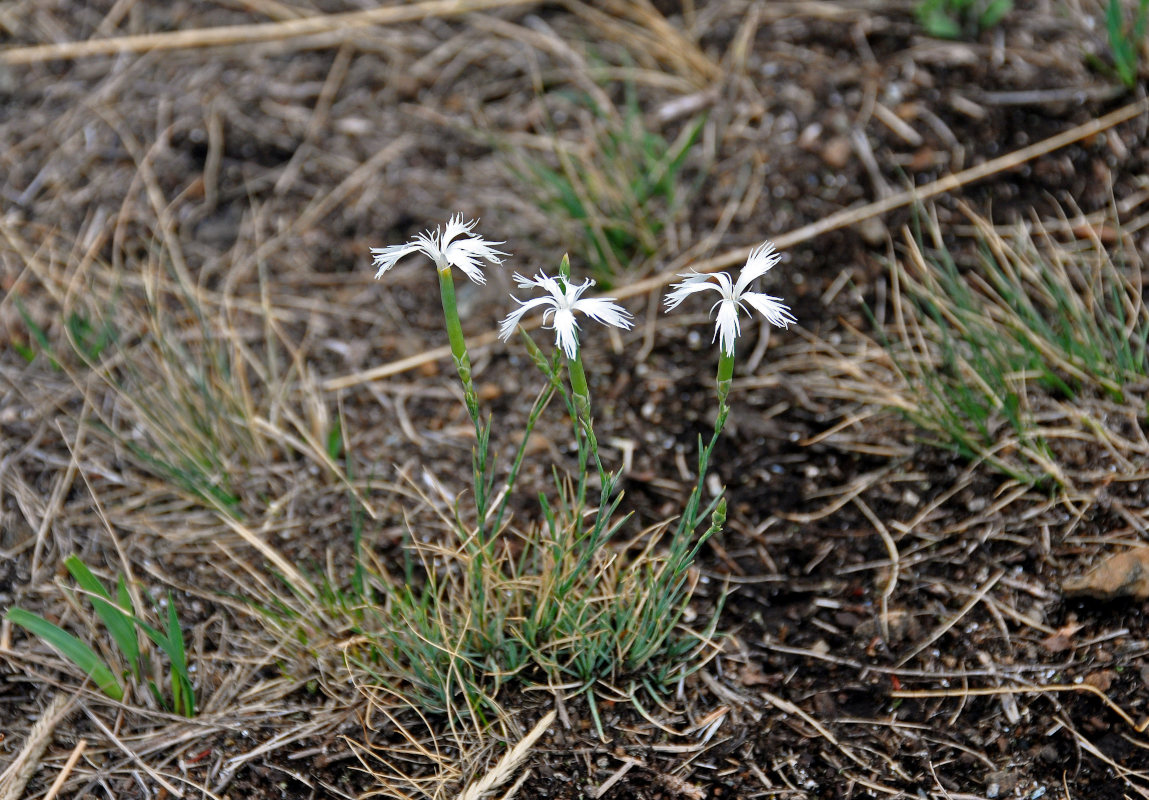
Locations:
{"points": [[202, 388]]}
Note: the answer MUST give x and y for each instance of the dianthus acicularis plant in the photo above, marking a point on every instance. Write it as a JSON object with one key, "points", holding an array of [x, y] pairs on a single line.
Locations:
{"points": [[550, 604]]}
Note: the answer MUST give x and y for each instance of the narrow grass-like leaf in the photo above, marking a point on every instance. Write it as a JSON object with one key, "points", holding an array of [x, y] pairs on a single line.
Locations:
{"points": [[72, 649], [171, 642], [117, 619]]}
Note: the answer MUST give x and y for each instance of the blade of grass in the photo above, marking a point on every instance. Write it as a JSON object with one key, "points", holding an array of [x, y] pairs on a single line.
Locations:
{"points": [[71, 648], [117, 619]]}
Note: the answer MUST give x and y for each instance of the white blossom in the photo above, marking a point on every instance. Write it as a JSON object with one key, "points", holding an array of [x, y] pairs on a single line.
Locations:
{"points": [[735, 296], [564, 298], [445, 249]]}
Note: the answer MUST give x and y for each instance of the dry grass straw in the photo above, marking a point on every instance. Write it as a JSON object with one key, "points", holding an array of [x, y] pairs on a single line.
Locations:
{"points": [[349, 22], [23, 766], [1066, 411], [410, 755], [510, 762], [175, 419], [835, 221], [1138, 727], [188, 385]]}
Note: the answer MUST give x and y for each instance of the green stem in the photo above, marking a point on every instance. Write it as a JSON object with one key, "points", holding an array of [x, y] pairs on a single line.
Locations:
{"points": [[458, 344], [479, 466], [725, 376], [690, 514], [580, 393]]}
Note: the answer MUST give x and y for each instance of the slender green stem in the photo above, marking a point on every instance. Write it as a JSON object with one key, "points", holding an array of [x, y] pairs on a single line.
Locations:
{"points": [[584, 421], [540, 403], [458, 344], [480, 545], [691, 512], [579, 389], [725, 376]]}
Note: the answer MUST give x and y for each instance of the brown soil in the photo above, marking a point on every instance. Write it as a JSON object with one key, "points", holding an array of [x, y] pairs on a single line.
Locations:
{"points": [[275, 166]]}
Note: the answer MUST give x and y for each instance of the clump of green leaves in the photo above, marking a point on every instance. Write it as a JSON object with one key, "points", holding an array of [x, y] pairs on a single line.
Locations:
{"points": [[128, 661], [550, 604], [90, 337], [1126, 39], [954, 19], [983, 346], [618, 188], [483, 603]]}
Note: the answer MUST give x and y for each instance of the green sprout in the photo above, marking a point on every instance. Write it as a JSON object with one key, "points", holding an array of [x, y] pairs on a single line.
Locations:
{"points": [[121, 623]]}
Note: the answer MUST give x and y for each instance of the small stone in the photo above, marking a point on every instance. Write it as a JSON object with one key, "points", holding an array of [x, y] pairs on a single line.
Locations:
{"points": [[1100, 680], [1003, 779], [837, 151], [1123, 575], [873, 231]]}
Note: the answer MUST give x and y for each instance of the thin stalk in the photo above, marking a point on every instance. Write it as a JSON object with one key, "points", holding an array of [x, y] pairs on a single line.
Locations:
{"points": [[508, 485], [480, 466], [725, 377], [458, 344], [584, 421], [480, 545]]}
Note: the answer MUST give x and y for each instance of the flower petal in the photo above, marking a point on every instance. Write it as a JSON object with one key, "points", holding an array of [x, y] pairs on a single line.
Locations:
{"points": [[454, 227], [694, 282], [508, 325], [606, 311], [459, 255], [466, 254], [566, 331], [776, 312], [727, 326], [761, 260], [542, 281], [386, 257]]}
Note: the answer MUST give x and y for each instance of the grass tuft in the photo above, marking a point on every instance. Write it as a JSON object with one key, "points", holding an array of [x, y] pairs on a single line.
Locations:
{"points": [[617, 191], [986, 345], [120, 620]]}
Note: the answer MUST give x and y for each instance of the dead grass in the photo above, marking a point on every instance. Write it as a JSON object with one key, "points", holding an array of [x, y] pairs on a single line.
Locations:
{"points": [[1027, 353], [203, 384]]}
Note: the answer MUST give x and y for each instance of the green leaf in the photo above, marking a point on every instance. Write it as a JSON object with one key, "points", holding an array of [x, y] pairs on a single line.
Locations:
{"points": [[335, 440], [38, 335], [1140, 22], [70, 648], [171, 641], [994, 13], [115, 619], [1114, 23]]}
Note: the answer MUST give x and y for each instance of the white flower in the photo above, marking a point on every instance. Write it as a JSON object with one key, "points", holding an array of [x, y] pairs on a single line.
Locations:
{"points": [[735, 296], [564, 299], [444, 249]]}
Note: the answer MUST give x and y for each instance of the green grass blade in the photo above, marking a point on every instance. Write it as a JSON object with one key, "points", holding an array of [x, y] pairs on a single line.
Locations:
{"points": [[171, 642], [72, 649], [115, 619]]}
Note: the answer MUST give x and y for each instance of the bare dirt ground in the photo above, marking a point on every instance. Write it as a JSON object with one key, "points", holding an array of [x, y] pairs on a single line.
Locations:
{"points": [[896, 621]]}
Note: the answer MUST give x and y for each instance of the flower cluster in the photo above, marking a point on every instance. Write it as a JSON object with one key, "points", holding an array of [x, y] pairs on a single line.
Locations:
{"points": [[563, 297], [584, 619]]}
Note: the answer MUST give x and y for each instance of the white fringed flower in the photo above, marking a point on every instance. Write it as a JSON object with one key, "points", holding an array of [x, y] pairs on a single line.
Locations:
{"points": [[444, 249], [564, 299], [735, 296]]}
